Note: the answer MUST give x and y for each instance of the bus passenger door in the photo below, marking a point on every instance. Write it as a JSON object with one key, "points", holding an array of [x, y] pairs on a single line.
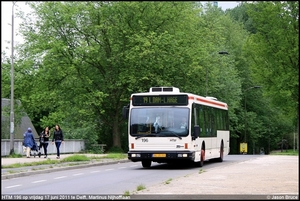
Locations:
{"points": [[198, 123], [207, 131]]}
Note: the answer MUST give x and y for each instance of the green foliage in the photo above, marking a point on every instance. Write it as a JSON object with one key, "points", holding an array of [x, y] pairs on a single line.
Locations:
{"points": [[271, 52], [87, 76], [115, 150], [140, 187], [5, 121], [168, 181], [5, 75], [14, 155], [126, 193], [76, 157], [201, 171], [69, 160], [116, 155], [44, 162], [81, 61], [289, 152], [274, 52]]}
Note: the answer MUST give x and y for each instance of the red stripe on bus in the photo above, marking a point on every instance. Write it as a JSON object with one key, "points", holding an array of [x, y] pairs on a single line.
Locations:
{"points": [[211, 102], [208, 101]]}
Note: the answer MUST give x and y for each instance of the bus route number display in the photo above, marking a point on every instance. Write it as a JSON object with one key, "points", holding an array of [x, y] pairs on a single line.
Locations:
{"points": [[160, 100]]}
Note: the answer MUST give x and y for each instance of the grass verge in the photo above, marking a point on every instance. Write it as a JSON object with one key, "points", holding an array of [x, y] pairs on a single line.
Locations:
{"points": [[69, 159], [289, 152]]}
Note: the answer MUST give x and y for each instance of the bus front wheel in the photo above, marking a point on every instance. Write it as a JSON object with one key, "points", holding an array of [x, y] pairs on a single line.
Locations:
{"points": [[202, 158], [146, 163]]}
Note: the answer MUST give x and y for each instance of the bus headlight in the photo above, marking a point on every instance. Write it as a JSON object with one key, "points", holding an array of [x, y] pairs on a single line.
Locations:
{"points": [[182, 155], [135, 155]]}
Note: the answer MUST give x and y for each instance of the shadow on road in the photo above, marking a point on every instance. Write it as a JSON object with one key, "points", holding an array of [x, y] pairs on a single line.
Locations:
{"points": [[181, 165]]}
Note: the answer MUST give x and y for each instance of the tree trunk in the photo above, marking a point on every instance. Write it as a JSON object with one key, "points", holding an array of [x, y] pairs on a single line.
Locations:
{"points": [[116, 134]]}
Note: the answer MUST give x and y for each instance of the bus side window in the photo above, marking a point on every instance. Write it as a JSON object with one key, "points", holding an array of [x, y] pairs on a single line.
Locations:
{"points": [[201, 121]]}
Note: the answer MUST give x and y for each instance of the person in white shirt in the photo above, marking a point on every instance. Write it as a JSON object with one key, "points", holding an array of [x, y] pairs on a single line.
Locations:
{"points": [[157, 124], [183, 124]]}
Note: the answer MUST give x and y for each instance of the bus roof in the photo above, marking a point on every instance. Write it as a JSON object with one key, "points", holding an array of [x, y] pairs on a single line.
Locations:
{"points": [[208, 101]]}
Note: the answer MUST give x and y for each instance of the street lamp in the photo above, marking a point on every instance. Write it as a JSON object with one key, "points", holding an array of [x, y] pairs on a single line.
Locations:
{"points": [[12, 117], [253, 87], [221, 52]]}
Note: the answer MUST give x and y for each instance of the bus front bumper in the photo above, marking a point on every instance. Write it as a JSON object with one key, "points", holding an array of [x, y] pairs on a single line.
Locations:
{"points": [[161, 156]]}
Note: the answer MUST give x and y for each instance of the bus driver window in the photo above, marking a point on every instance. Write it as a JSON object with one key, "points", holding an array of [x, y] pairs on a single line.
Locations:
{"points": [[183, 123]]}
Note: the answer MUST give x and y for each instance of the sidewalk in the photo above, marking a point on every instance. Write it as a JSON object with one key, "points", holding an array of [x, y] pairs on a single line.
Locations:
{"points": [[9, 161], [8, 173], [265, 175]]}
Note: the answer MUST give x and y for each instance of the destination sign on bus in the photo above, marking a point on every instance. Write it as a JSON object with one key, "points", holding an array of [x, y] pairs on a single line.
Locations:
{"points": [[159, 100]]}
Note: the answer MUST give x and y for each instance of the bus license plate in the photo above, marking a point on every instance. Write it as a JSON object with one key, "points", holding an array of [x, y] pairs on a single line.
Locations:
{"points": [[159, 155]]}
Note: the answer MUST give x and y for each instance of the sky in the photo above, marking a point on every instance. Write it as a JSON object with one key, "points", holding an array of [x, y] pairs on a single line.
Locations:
{"points": [[6, 21], [227, 4]]}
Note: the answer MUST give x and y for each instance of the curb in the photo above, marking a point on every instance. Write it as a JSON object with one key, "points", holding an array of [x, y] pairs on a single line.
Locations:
{"points": [[49, 169]]}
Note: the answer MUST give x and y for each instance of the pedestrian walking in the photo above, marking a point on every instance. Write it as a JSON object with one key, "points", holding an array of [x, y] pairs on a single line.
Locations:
{"points": [[28, 142], [58, 138], [44, 140]]}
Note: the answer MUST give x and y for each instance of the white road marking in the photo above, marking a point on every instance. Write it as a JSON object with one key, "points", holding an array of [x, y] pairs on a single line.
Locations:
{"points": [[95, 171], [13, 186], [77, 174], [38, 181], [60, 177]]}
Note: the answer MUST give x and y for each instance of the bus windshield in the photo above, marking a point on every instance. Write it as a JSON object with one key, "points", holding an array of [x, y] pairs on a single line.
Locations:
{"points": [[159, 122]]}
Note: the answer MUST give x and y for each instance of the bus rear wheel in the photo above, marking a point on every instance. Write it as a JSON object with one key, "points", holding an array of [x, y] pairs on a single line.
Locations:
{"points": [[220, 159], [146, 163], [202, 157]]}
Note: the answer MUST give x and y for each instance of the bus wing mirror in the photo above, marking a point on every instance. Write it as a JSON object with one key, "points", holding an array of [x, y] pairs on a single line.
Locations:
{"points": [[125, 112], [196, 131]]}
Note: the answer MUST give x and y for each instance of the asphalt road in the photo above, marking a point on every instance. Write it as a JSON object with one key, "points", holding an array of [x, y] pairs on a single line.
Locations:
{"points": [[236, 175], [105, 179]]}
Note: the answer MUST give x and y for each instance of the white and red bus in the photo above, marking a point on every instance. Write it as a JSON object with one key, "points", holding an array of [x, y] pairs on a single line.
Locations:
{"points": [[157, 131]]}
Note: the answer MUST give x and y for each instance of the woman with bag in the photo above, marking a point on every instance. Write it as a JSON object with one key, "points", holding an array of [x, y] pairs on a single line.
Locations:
{"points": [[44, 139], [58, 138]]}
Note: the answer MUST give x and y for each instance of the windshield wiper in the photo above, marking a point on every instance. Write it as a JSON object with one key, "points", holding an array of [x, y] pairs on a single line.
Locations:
{"points": [[176, 135], [148, 135], [171, 133]]}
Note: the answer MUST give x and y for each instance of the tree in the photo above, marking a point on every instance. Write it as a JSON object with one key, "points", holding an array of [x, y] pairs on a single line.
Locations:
{"points": [[273, 52], [87, 58]]}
